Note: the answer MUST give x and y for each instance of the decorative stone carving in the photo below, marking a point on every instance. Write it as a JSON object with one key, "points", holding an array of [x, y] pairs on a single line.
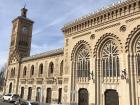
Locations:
{"points": [[92, 36], [49, 81], [130, 37], [67, 42], [107, 36], [65, 98], [65, 89], [132, 19], [138, 46], [138, 81], [39, 82], [124, 74], [23, 82], [123, 28], [66, 80], [81, 42], [87, 33], [107, 27]]}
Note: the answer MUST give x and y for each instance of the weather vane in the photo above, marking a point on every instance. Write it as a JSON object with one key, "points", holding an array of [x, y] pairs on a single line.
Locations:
{"points": [[25, 2]]}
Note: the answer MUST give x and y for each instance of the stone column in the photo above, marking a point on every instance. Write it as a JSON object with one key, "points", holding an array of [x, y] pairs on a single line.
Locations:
{"points": [[97, 78]]}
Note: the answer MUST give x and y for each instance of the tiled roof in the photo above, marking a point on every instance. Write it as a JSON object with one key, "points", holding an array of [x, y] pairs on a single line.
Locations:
{"points": [[45, 54]]}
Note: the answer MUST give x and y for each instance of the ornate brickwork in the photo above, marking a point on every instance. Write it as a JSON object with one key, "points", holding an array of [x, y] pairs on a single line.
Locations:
{"points": [[100, 59], [107, 36]]}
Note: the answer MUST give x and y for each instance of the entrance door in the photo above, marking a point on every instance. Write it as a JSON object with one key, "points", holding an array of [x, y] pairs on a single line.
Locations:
{"points": [[38, 94], [22, 92], [111, 97], [49, 93], [60, 95], [29, 93], [83, 97]]}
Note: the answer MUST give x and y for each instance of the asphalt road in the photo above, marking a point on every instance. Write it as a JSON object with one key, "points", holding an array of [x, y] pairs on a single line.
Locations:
{"points": [[5, 103]]}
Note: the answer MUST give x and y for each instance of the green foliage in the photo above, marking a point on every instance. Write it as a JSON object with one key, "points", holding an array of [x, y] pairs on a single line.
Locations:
{"points": [[2, 75]]}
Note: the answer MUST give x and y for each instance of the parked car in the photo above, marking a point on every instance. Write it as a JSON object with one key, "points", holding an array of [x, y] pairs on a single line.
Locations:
{"points": [[21, 102], [11, 97]]}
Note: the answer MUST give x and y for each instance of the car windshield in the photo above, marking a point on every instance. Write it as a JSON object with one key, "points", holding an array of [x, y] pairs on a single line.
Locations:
{"points": [[8, 94]]}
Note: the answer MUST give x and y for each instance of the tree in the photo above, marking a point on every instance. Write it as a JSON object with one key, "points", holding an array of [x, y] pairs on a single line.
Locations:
{"points": [[2, 75]]}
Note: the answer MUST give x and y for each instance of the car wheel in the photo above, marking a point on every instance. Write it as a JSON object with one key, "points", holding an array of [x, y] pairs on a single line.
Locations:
{"points": [[3, 100], [9, 100]]}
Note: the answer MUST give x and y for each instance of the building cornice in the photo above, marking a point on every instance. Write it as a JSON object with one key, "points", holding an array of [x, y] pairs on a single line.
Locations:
{"points": [[116, 11]]}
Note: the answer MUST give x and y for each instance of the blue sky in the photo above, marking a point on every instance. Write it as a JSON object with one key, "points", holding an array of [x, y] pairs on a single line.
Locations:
{"points": [[49, 17]]}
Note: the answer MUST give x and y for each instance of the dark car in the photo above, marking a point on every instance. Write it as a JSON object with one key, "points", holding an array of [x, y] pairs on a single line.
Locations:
{"points": [[21, 102]]}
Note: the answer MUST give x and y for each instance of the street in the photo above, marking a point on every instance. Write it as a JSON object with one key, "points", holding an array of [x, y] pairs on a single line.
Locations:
{"points": [[5, 103]]}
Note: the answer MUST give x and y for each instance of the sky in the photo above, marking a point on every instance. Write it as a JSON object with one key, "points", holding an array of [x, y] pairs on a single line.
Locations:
{"points": [[49, 17]]}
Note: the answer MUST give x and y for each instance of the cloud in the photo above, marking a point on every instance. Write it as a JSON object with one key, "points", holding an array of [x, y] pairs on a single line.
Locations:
{"points": [[49, 17], [37, 48]]}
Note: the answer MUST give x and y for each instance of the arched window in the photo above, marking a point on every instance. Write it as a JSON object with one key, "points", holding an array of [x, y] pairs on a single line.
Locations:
{"points": [[110, 60], [12, 72], [41, 68], [51, 68], [10, 88], [138, 63], [32, 70], [24, 71], [82, 63], [61, 68], [138, 56]]}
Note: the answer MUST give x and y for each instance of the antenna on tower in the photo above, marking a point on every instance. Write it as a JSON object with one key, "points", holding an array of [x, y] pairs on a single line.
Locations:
{"points": [[24, 10], [25, 3]]}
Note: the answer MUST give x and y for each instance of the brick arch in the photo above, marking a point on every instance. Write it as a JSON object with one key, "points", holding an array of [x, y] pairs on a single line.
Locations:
{"points": [[131, 40], [78, 44], [104, 38]]}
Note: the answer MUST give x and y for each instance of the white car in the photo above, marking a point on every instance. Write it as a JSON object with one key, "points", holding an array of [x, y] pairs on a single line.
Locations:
{"points": [[10, 97]]}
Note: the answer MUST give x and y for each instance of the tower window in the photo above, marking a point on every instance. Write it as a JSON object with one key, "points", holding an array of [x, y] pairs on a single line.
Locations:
{"points": [[23, 43], [12, 72]]}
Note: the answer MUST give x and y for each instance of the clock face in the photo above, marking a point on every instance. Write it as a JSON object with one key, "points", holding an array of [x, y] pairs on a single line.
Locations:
{"points": [[24, 29]]}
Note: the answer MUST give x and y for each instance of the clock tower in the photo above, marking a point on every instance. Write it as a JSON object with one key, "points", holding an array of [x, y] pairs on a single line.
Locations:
{"points": [[21, 37]]}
